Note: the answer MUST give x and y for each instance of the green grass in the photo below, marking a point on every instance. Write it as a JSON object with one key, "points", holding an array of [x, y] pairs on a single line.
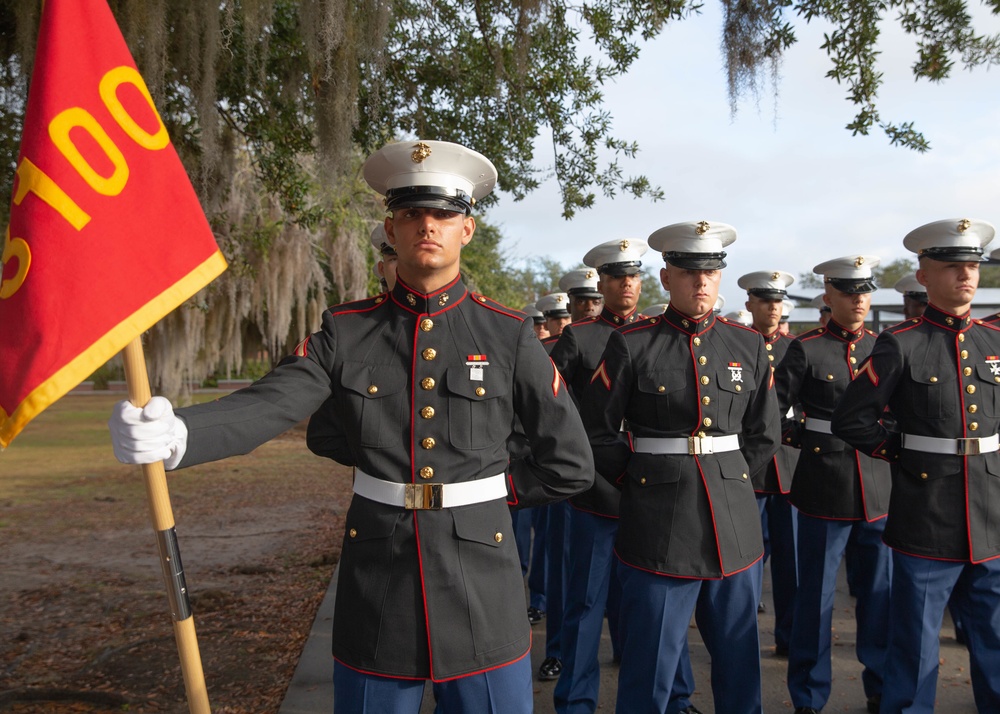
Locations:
{"points": [[65, 452]]}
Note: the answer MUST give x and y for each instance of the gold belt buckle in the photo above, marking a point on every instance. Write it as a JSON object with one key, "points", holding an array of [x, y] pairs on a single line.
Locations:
{"points": [[424, 496], [968, 447], [694, 445]]}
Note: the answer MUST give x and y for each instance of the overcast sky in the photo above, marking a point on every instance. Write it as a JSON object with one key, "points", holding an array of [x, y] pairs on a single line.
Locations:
{"points": [[798, 188]]}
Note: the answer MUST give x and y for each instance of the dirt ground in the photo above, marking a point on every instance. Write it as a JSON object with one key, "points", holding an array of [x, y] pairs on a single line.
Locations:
{"points": [[85, 624]]}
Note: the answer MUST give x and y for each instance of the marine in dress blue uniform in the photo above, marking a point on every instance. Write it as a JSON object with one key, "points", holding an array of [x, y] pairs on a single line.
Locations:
{"points": [[939, 375], [766, 293], [585, 300], [550, 520], [614, 274], [840, 494], [914, 295], [531, 551], [696, 393], [427, 381], [385, 266]]}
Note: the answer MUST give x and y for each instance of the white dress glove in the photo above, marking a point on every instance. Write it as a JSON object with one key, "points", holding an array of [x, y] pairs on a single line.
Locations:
{"points": [[148, 435]]}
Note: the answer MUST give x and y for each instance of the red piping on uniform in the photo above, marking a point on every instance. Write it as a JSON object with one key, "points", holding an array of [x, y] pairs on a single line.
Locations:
{"points": [[510, 486], [378, 674], [711, 509], [697, 384], [944, 560], [496, 307], [691, 577], [965, 459], [488, 669], [413, 479], [593, 513], [449, 679]]}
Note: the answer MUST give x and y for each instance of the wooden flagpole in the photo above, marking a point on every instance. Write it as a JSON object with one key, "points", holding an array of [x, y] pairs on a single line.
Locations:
{"points": [[166, 539]]}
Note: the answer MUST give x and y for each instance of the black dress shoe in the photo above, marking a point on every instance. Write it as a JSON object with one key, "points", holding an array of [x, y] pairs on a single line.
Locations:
{"points": [[874, 703], [535, 615], [550, 669]]}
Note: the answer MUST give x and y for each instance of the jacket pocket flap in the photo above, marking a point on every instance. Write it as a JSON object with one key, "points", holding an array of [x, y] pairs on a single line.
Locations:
{"points": [[475, 523], [655, 469], [372, 381], [495, 382], [925, 374], [663, 381]]}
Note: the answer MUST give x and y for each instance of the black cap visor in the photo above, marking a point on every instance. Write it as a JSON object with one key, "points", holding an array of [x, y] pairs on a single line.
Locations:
{"points": [[448, 199], [696, 261], [767, 293], [584, 293], [954, 255], [853, 286], [617, 270]]}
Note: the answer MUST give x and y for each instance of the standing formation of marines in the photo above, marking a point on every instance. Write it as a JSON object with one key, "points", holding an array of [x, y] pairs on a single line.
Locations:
{"points": [[714, 444]]}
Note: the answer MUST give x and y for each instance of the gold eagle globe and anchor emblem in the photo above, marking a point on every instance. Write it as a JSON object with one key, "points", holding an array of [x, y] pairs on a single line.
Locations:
{"points": [[420, 152]]}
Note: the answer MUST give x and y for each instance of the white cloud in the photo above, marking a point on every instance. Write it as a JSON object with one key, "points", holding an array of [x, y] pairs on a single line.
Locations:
{"points": [[797, 186]]}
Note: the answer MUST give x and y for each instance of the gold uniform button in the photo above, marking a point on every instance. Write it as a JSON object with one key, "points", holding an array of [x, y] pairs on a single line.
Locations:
{"points": [[744, 476], [372, 389], [427, 383], [428, 443], [853, 359], [738, 388], [816, 449], [498, 537], [973, 409], [882, 452], [768, 347], [923, 475], [961, 337], [965, 354], [829, 377], [353, 533], [706, 400], [427, 412], [788, 439], [707, 421], [967, 371], [771, 358], [429, 354], [697, 341], [379, 299], [685, 323], [705, 380], [661, 389], [933, 379], [426, 472], [703, 360], [643, 480], [971, 389], [427, 324], [702, 434], [480, 391], [973, 426], [853, 347]]}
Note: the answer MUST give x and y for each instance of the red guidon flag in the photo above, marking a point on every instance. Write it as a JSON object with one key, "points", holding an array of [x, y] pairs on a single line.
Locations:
{"points": [[106, 234]]}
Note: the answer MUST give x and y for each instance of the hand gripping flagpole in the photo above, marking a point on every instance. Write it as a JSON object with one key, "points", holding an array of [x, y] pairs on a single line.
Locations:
{"points": [[166, 539]]}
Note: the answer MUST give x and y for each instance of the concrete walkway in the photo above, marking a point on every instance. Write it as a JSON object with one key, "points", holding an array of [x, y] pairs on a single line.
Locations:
{"points": [[311, 688]]}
